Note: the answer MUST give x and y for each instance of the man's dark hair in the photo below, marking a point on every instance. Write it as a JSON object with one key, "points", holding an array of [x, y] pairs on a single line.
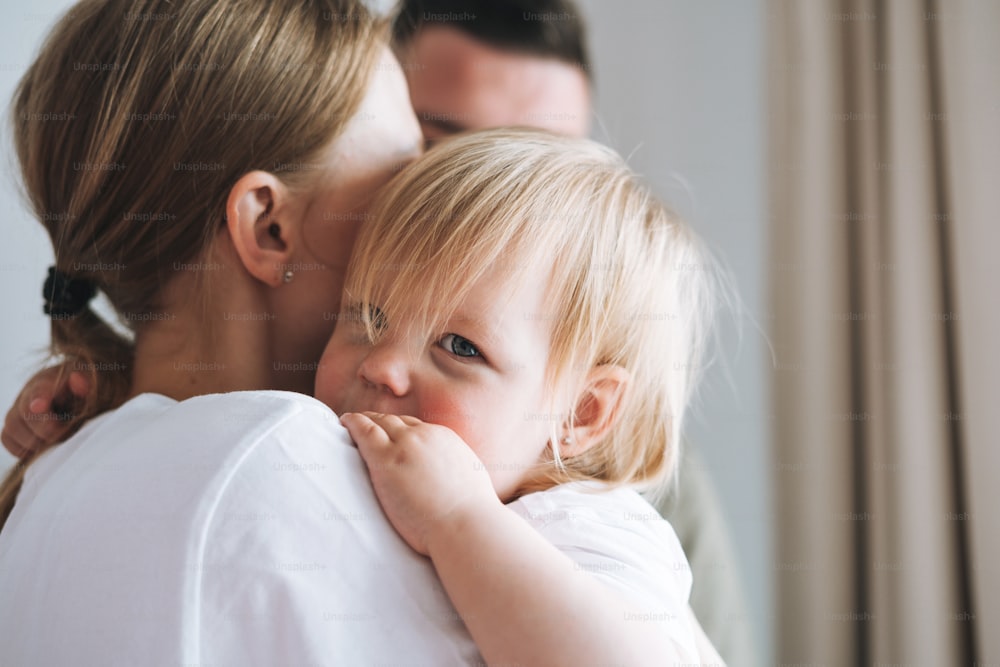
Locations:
{"points": [[546, 28]]}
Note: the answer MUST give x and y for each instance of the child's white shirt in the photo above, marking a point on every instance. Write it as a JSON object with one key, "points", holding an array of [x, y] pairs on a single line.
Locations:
{"points": [[619, 538]]}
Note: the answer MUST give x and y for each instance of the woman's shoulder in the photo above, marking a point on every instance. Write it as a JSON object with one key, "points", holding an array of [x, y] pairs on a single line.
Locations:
{"points": [[250, 410], [223, 436], [216, 421], [222, 509], [193, 471], [197, 446], [261, 407]]}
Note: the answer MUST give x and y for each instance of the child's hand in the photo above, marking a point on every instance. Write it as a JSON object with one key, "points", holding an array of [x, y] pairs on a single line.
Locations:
{"points": [[425, 476], [44, 412]]}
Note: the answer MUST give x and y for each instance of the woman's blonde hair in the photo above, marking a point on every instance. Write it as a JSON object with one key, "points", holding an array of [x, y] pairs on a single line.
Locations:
{"points": [[139, 116], [628, 284]]}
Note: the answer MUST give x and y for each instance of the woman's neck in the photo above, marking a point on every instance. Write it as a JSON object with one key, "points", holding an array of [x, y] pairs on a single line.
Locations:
{"points": [[191, 350], [170, 361]]}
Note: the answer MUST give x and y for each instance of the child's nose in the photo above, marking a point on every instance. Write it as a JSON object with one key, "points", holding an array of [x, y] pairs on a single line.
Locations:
{"points": [[387, 367]]}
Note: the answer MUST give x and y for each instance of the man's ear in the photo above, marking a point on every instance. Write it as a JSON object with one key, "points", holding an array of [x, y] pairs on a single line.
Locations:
{"points": [[597, 409], [261, 225]]}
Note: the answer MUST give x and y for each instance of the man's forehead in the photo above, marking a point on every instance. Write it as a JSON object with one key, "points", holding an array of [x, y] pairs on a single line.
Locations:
{"points": [[455, 77]]}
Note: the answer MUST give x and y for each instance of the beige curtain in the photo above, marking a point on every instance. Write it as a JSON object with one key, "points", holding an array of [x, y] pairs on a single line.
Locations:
{"points": [[884, 171]]}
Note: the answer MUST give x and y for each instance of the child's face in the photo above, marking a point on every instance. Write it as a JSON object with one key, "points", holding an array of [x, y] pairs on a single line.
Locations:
{"points": [[482, 375]]}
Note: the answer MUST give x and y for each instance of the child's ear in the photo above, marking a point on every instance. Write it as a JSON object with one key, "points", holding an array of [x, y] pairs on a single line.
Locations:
{"points": [[597, 410], [262, 225]]}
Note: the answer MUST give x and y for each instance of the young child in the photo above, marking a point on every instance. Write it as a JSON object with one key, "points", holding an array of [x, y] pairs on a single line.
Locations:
{"points": [[521, 326]]}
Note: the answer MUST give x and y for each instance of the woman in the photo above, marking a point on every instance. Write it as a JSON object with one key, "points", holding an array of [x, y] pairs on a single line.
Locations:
{"points": [[217, 160]]}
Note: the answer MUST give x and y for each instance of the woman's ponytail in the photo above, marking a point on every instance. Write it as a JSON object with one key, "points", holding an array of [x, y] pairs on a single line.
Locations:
{"points": [[83, 343], [135, 120]]}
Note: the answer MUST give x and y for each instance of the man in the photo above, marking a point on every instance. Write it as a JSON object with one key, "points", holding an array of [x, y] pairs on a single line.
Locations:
{"points": [[480, 64], [475, 64]]}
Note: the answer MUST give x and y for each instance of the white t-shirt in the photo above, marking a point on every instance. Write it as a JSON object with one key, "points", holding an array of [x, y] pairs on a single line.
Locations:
{"points": [[231, 529], [614, 534]]}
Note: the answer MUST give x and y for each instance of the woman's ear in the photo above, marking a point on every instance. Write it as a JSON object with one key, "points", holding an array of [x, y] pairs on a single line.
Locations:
{"points": [[597, 410], [262, 225]]}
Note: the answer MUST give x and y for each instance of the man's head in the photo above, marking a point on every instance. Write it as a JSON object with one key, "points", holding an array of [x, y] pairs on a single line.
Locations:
{"points": [[475, 64]]}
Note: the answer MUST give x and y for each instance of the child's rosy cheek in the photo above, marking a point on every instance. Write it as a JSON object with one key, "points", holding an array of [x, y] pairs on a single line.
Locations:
{"points": [[451, 413]]}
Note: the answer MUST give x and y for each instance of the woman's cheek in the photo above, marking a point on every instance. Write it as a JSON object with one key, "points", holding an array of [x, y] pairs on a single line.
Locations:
{"points": [[333, 376]]}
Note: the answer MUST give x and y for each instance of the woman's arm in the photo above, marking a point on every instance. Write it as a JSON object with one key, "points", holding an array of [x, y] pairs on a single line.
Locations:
{"points": [[523, 601]]}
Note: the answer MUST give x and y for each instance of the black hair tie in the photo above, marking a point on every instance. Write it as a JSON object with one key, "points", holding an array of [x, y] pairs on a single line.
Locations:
{"points": [[64, 295]]}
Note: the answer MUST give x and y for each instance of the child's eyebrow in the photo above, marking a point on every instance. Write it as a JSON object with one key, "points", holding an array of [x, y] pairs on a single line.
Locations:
{"points": [[481, 329], [484, 331], [355, 311], [352, 312]]}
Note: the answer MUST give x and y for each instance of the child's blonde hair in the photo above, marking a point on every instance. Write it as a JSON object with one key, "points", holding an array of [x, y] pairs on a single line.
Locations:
{"points": [[628, 283]]}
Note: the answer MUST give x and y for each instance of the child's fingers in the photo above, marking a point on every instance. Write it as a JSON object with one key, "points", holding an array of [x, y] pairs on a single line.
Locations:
{"points": [[12, 444], [70, 397], [45, 415], [365, 432], [410, 421], [17, 436], [79, 384], [48, 427], [37, 402], [46, 410], [395, 426], [40, 392]]}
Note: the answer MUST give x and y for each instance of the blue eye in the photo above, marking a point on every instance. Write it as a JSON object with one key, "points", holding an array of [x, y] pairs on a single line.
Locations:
{"points": [[460, 347]]}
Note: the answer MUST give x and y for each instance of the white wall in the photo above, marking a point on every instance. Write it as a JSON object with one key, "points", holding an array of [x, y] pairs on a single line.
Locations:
{"points": [[681, 89], [25, 252]]}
